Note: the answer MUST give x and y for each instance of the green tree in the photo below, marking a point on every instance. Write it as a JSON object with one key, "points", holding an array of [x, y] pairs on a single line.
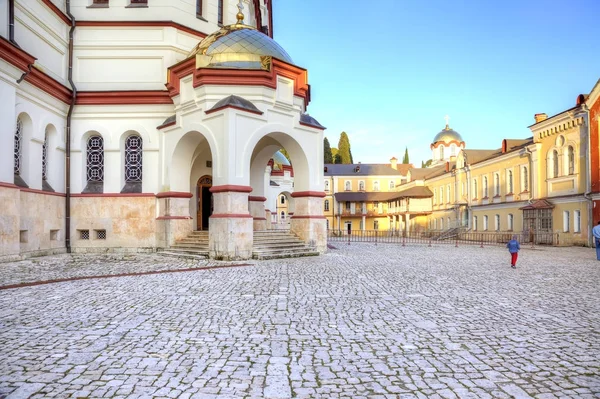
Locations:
{"points": [[337, 158], [344, 149], [405, 160], [334, 152], [327, 155]]}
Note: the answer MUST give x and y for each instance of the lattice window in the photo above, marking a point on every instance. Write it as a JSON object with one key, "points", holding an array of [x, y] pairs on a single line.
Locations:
{"points": [[84, 234], [18, 146], [133, 159], [95, 159], [100, 234], [45, 158]]}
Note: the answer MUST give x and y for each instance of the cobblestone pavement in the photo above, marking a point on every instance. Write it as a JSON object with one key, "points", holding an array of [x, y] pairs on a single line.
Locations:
{"points": [[362, 321]]}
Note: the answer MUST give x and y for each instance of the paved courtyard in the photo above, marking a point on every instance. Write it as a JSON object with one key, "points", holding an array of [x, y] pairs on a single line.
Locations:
{"points": [[362, 321]]}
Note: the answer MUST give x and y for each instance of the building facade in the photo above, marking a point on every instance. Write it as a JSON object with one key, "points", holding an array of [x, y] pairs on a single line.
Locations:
{"points": [[134, 123]]}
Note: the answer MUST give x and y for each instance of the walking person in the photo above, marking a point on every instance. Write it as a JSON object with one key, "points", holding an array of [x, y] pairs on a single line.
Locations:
{"points": [[596, 234], [514, 247]]}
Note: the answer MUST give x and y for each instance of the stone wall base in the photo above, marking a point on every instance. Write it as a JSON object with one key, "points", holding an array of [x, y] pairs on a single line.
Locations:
{"points": [[231, 238], [313, 231]]}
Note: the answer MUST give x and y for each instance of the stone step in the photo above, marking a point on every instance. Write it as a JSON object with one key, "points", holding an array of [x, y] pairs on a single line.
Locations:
{"points": [[298, 254], [289, 246], [281, 250], [190, 247], [276, 241], [186, 240], [184, 254]]}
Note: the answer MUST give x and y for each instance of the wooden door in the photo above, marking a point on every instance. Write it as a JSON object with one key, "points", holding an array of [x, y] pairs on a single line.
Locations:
{"points": [[204, 204]]}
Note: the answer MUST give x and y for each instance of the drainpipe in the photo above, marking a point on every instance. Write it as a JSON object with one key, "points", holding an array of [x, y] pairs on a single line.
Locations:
{"points": [[11, 22], [68, 134], [585, 113]]}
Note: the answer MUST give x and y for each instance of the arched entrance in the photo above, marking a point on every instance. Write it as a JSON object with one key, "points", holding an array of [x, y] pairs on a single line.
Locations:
{"points": [[204, 204]]}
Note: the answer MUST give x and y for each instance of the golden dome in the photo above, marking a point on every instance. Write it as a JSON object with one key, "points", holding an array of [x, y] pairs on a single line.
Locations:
{"points": [[238, 46], [447, 135], [279, 160]]}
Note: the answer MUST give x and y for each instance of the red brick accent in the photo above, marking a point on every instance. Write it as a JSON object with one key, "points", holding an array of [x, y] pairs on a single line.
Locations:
{"points": [[256, 199], [231, 216], [594, 120], [230, 188], [32, 190], [174, 194], [44, 82], [57, 11], [9, 185], [301, 194], [257, 218]]}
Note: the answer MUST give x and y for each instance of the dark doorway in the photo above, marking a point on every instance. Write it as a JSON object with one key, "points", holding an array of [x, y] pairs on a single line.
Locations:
{"points": [[205, 202]]}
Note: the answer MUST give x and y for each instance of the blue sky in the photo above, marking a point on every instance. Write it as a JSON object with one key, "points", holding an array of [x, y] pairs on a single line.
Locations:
{"points": [[387, 75]]}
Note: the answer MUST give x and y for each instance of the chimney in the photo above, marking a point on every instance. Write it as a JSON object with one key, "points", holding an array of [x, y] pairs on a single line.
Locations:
{"points": [[540, 117], [394, 163]]}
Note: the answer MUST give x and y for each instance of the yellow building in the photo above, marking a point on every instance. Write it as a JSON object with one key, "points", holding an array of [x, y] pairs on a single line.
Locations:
{"points": [[357, 195]]}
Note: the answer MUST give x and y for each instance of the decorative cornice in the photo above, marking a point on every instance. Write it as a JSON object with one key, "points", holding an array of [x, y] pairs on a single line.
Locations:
{"points": [[563, 126], [123, 97], [57, 11], [230, 188], [45, 83], [137, 24], [174, 194], [14, 55], [256, 199], [122, 195], [439, 143], [239, 77], [302, 194], [210, 111], [231, 216]]}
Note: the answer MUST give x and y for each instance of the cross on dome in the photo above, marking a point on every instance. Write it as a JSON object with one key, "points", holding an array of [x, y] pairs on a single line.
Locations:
{"points": [[447, 118], [240, 14]]}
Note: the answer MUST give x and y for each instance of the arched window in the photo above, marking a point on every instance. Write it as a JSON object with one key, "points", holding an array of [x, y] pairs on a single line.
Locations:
{"points": [[326, 185], [392, 185], [133, 164], [485, 187], [282, 199], [361, 186], [497, 222], [510, 222], [18, 147], [474, 188], [485, 222], [441, 195], [496, 184], [509, 179], [326, 205], [525, 179], [448, 194], [571, 160], [348, 186], [376, 186], [95, 164], [554, 163], [45, 158]]}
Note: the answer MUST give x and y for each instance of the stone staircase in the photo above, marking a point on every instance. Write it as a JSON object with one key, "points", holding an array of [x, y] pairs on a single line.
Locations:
{"points": [[194, 246], [273, 244], [268, 244]]}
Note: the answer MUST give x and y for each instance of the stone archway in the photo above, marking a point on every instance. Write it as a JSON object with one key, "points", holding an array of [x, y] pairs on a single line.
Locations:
{"points": [[204, 202]]}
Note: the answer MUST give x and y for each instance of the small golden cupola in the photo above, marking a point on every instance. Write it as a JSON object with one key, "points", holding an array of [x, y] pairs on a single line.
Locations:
{"points": [[238, 46]]}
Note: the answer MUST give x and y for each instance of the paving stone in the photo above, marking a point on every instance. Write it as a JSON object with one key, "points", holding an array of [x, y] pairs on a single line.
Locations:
{"points": [[363, 321]]}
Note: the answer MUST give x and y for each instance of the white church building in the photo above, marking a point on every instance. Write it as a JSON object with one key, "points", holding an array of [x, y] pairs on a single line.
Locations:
{"points": [[128, 124]]}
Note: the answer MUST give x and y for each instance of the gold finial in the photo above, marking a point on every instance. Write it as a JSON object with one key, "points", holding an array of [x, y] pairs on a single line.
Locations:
{"points": [[447, 118], [240, 14]]}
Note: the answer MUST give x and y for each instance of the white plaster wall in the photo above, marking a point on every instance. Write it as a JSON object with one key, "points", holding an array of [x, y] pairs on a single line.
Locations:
{"points": [[41, 33], [127, 58], [4, 18], [114, 124]]}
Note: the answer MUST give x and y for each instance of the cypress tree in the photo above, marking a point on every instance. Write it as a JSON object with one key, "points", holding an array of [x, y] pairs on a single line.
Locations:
{"points": [[337, 158], [344, 148], [327, 155], [405, 160]]}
